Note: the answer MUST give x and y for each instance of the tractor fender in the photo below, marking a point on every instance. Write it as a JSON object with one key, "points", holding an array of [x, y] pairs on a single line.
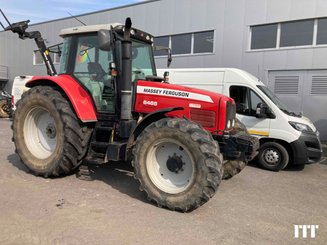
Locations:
{"points": [[78, 96], [146, 121]]}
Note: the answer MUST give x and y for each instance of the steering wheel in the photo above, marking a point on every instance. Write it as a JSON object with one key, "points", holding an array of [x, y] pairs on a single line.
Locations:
{"points": [[138, 73], [241, 108]]}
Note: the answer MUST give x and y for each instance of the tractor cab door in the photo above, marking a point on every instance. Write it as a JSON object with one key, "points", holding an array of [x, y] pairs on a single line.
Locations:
{"points": [[82, 58], [91, 69]]}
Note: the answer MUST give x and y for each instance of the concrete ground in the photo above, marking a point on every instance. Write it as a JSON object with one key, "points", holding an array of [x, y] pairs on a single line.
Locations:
{"points": [[254, 207]]}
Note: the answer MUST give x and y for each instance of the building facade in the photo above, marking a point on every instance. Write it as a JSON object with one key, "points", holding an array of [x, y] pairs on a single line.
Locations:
{"points": [[282, 42]]}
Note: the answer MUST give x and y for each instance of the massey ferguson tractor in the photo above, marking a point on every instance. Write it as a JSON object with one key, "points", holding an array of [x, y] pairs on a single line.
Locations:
{"points": [[107, 104]]}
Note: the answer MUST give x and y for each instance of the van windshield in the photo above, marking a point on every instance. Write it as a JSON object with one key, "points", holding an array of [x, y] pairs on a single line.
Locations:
{"points": [[276, 100]]}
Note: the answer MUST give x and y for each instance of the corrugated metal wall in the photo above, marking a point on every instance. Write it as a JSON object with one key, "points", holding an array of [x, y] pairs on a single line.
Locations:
{"points": [[229, 19]]}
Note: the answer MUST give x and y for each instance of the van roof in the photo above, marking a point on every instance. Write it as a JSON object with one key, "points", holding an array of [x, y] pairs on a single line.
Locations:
{"points": [[231, 74]]}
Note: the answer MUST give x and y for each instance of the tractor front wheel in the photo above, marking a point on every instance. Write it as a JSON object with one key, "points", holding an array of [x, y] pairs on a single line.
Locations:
{"points": [[47, 134], [233, 167], [177, 163]]}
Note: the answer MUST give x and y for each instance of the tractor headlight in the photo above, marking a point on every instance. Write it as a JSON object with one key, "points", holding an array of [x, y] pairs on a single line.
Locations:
{"points": [[301, 127]]}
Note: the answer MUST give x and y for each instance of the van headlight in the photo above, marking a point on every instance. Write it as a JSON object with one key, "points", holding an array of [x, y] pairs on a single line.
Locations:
{"points": [[301, 127]]}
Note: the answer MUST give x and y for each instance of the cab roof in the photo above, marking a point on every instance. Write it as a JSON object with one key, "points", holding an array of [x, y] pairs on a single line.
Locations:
{"points": [[87, 29], [135, 33]]}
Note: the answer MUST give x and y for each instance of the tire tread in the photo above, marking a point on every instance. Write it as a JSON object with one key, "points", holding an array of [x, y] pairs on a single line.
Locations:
{"points": [[205, 144], [76, 134]]}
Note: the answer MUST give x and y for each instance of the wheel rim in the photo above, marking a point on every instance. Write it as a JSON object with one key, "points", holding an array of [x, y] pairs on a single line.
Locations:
{"points": [[4, 109], [40, 133], [170, 166], [272, 156]]}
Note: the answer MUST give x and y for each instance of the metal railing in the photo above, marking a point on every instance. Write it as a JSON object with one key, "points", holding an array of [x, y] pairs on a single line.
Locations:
{"points": [[3, 73]]}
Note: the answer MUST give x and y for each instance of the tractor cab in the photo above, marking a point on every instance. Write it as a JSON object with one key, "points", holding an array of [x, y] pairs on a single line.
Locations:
{"points": [[100, 71]]}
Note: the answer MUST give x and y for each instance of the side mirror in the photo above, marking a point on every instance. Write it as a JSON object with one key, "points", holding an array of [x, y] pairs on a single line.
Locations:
{"points": [[104, 40], [169, 59], [261, 110]]}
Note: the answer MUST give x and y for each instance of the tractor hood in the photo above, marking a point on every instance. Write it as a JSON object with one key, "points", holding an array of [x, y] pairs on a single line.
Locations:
{"points": [[165, 90], [209, 109]]}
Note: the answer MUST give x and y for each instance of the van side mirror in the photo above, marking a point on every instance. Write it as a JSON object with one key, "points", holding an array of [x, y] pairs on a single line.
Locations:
{"points": [[261, 110], [104, 40]]}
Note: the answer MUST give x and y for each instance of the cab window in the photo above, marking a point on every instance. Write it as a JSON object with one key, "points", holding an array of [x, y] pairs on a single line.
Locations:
{"points": [[142, 60], [246, 100], [91, 69]]}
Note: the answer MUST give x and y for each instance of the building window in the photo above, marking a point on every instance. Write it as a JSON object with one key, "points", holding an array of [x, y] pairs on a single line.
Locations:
{"points": [[297, 33], [181, 44], [56, 58], [311, 32], [189, 43], [37, 58], [264, 36], [203, 42], [322, 31], [161, 41]]}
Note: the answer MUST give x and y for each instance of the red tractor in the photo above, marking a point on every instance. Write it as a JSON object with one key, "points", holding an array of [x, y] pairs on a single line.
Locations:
{"points": [[107, 104]]}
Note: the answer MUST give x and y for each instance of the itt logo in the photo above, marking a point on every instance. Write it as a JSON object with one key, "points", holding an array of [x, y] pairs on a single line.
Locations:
{"points": [[305, 231]]}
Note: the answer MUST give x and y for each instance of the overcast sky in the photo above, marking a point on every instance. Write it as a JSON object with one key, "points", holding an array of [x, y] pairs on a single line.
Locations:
{"points": [[43, 10]]}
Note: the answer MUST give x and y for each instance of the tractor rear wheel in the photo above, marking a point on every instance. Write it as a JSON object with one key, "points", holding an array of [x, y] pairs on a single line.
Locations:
{"points": [[233, 167], [177, 163], [4, 109], [48, 137]]}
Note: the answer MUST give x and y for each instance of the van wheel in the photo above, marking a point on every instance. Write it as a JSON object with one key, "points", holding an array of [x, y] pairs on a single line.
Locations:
{"points": [[273, 156]]}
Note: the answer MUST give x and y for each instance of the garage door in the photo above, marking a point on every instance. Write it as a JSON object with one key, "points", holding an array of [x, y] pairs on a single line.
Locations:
{"points": [[303, 91]]}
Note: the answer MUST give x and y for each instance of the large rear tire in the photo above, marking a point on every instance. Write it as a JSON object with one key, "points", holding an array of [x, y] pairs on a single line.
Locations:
{"points": [[177, 163], [233, 167], [48, 136]]}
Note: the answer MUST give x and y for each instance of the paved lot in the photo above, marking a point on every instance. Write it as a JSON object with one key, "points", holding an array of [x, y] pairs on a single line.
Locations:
{"points": [[255, 207]]}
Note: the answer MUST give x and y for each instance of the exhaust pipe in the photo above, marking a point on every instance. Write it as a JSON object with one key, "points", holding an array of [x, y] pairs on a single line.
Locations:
{"points": [[126, 86], [127, 124]]}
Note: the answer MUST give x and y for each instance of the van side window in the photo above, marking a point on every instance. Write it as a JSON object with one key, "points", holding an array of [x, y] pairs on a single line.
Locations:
{"points": [[241, 96], [246, 100]]}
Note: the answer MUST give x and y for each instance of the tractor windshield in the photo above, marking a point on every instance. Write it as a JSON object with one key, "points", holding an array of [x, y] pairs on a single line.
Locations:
{"points": [[142, 61]]}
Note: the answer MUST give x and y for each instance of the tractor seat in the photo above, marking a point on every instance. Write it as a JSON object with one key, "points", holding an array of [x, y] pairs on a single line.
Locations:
{"points": [[96, 68]]}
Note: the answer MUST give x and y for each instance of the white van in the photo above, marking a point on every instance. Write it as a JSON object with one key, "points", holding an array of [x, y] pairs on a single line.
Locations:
{"points": [[284, 135], [18, 88]]}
